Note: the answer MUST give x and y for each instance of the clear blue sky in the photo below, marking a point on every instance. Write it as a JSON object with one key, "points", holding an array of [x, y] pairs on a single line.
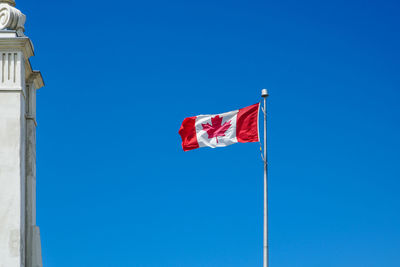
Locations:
{"points": [[114, 188]]}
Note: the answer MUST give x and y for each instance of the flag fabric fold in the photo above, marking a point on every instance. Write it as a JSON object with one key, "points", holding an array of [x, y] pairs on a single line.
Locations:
{"points": [[221, 130]]}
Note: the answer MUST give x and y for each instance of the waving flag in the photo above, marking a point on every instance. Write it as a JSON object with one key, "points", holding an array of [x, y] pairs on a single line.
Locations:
{"points": [[220, 130]]}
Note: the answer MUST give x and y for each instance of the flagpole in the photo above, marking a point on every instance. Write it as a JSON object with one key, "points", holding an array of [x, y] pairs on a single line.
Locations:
{"points": [[264, 94]]}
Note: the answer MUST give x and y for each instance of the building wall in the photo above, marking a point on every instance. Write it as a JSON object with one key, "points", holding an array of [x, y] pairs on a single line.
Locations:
{"points": [[12, 178]]}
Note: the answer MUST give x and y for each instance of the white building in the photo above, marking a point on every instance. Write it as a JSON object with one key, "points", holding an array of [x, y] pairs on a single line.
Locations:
{"points": [[19, 235]]}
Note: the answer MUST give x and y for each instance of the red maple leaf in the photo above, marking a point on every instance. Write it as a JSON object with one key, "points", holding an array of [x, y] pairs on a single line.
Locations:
{"points": [[216, 129]]}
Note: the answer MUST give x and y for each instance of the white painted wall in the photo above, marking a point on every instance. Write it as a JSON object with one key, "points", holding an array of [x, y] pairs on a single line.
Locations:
{"points": [[19, 235], [12, 178]]}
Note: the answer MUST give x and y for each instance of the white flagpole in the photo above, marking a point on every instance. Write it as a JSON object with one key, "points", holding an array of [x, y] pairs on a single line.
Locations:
{"points": [[264, 94]]}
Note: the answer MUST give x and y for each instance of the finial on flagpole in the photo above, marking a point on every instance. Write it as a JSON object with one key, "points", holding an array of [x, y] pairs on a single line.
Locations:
{"points": [[264, 93]]}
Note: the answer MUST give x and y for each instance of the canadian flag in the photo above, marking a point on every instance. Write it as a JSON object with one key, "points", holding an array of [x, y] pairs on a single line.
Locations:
{"points": [[220, 130]]}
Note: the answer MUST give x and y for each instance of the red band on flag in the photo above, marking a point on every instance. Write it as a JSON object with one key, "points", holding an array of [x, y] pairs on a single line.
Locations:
{"points": [[188, 134], [247, 124]]}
